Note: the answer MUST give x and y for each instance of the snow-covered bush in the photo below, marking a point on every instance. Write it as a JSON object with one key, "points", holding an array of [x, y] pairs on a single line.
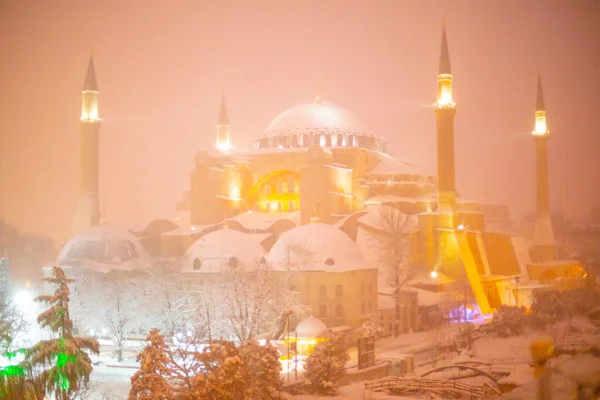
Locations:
{"points": [[150, 381], [509, 321], [262, 363], [550, 307], [326, 366], [371, 327]]}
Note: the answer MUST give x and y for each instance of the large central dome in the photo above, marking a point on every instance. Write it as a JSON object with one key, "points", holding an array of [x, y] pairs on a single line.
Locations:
{"points": [[318, 123], [318, 116]]}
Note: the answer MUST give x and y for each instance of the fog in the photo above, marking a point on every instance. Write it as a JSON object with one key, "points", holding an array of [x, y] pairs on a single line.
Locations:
{"points": [[161, 70]]}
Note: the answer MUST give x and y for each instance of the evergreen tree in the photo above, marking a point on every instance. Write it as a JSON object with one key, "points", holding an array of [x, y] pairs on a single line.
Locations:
{"points": [[226, 377], [150, 382], [64, 363], [326, 366], [262, 363]]}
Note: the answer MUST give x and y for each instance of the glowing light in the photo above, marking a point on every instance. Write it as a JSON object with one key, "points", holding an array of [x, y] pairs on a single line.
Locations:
{"points": [[193, 228], [444, 98], [540, 124], [461, 227], [433, 274], [92, 332], [89, 106], [234, 191], [224, 146]]}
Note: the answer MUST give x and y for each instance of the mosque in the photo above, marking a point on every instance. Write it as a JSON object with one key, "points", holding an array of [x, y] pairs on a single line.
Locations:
{"points": [[306, 199]]}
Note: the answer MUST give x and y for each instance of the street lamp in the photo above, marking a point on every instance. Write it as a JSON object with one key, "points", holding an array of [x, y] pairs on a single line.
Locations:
{"points": [[433, 274]]}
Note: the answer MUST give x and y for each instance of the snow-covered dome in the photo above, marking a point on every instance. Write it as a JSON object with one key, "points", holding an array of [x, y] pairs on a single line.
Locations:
{"points": [[316, 246], [103, 245], [311, 327], [318, 116], [209, 253]]}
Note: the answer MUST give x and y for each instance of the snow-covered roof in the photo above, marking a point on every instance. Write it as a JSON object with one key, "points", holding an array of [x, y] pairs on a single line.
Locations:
{"points": [[311, 327], [256, 220], [316, 246], [387, 198], [209, 253], [428, 298], [392, 166], [103, 248], [375, 213]]}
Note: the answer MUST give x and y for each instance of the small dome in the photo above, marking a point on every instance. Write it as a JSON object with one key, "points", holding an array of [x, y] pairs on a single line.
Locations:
{"points": [[103, 244], [311, 327], [316, 246], [316, 116], [223, 246]]}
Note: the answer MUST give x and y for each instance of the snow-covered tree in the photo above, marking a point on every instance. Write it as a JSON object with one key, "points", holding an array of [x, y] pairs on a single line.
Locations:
{"points": [[150, 381], [326, 366], [85, 308], [262, 363], [123, 303], [389, 234], [371, 327], [64, 361], [11, 320], [509, 321], [225, 375], [251, 299]]}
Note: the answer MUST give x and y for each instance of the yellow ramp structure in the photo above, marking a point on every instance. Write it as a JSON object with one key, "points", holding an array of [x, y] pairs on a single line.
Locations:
{"points": [[468, 259]]}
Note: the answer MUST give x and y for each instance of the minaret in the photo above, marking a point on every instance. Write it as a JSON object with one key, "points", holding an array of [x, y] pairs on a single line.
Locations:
{"points": [[543, 248], [444, 113], [88, 207], [223, 135]]}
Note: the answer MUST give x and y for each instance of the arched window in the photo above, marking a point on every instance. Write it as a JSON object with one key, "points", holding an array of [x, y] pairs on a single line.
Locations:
{"points": [[323, 311], [291, 205], [296, 186], [197, 264], [339, 291], [283, 187], [322, 291], [322, 140], [233, 262], [278, 206], [268, 206], [330, 261], [339, 311]]}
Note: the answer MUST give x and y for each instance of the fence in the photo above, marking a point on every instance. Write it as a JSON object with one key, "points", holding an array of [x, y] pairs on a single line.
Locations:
{"points": [[401, 386]]}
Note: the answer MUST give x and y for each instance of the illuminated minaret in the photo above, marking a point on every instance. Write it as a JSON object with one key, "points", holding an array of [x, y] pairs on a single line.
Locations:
{"points": [[223, 136], [88, 207], [444, 113], [543, 248]]}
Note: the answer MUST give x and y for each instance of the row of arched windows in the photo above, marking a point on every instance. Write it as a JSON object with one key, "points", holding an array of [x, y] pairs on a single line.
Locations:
{"points": [[290, 186], [287, 140], [339, 311], [339, 291]]}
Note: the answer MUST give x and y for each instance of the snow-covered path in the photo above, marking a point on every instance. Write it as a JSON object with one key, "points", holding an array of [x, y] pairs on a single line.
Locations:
{"points": [[115, 380]]}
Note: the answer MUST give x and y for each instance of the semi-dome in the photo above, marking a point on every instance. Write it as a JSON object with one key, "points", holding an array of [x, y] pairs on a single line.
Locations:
{"points": [[316, 246], [103, 244], [209, 253], [318, 123], [316, 116], [311, 327]]}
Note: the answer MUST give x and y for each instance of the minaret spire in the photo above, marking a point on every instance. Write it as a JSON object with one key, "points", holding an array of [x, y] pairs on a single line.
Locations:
{"points": [[88, 208], [444, 54], [539, 102], [90, 82], [223, 142], [544, 247]]}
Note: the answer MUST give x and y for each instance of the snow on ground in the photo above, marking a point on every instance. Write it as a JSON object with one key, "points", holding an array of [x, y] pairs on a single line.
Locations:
{"points": [[113, 379], [355, 391]]}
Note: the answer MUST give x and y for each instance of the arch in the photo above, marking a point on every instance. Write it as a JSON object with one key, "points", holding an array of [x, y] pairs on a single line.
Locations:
{"points": [[339, 290], [322, 291], [461, 367], [197, 264], [323, 311]]}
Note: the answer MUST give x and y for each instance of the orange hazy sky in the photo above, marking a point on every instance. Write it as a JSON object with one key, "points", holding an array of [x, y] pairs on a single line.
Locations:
{"points": [[161, 67]]}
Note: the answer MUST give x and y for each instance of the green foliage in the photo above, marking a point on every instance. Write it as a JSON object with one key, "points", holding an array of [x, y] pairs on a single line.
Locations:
{"points": [[63, 361], [326, 366], [509, 321], [150, 382]]}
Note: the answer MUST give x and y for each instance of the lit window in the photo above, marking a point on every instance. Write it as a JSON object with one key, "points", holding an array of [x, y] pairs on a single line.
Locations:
{"points": [[278, 206], [291, 205], [296, 186], [334, 140], [268, 206], [283, 187], [322, 140]]}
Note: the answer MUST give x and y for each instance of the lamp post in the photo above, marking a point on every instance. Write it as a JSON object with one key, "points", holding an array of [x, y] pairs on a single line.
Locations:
{"points": [[517, 290], [465, 301]]}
